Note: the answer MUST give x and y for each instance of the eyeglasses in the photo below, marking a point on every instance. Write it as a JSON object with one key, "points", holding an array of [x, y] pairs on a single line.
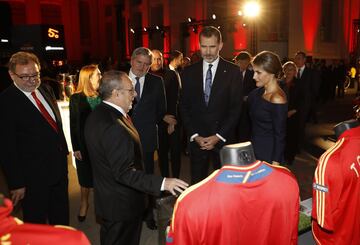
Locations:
{"points": [[27, 78], [132, 90]]}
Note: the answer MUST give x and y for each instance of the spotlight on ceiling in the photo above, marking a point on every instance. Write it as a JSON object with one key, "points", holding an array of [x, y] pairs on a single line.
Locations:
{"points": [[251, 9]]}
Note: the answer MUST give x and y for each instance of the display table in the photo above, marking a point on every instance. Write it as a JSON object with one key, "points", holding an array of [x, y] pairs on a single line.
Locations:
{"points": [[65, 117]]}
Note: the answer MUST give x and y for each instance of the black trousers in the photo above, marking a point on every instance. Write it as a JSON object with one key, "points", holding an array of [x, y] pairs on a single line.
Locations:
{"points": [[169, 143], [200, 160], [120, 232], [244, 125], [292, 138], [149, 169], [43, 204]]}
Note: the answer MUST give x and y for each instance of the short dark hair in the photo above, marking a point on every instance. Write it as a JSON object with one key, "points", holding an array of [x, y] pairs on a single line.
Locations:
{"points": [[110, 80], [301, 53], [243, 55], [174, 55], [270, 62], [22, 58], [209, 31]]}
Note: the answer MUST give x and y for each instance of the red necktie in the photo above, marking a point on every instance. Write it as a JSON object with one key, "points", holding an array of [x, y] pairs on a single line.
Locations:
{"points": [[44, 112], [129, 119]]}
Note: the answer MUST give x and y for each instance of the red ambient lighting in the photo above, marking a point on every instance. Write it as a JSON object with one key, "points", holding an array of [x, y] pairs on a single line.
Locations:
{"points": [[239, 37], [350, 12], [311, 12]]}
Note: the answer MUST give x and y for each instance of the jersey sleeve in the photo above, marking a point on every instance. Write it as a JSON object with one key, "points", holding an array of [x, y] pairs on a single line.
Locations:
{"points": [[327, 186]]}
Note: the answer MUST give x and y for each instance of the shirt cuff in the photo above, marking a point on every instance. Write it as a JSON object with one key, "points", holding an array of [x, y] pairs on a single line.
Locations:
{"points": [[220, 137], [193, 137], [163, 185]]}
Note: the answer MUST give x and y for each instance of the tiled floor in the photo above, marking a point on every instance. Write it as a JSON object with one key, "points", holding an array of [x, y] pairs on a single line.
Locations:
{"points": [[303, 167]]}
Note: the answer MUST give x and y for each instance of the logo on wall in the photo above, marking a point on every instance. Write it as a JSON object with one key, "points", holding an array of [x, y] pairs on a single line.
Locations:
{"points": [[53, 33]]}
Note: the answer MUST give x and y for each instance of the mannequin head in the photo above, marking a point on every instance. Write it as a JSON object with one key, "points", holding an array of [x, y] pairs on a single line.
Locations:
{"points": [[237, 154], [343, 126]]}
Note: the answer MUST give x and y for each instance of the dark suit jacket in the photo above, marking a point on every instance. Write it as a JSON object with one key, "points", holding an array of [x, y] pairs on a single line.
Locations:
{"points": [[307, 85], [172, 89], [222, 113], [248, 82], [32, 153], [149, 111], [114, 150]]}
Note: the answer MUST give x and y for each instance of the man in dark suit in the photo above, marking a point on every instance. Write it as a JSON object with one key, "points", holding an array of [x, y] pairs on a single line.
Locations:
{"points": [[115, 154], [169, 127], [210, 103], [150, 105], [243, 61], [33, 146], [308, 84], [148, 112]]}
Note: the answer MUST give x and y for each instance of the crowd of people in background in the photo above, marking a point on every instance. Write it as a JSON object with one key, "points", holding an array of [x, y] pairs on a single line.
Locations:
{"points": [[205, 101]]}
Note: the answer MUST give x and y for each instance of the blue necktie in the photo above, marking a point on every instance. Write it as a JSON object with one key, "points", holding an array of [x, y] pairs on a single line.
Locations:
{"points": [[137, 88], [208, 81]]}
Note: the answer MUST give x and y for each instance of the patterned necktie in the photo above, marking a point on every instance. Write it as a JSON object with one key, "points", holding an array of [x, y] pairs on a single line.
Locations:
{"points": [[208, 80], [44, 112], [128, 119], [137, 88]]}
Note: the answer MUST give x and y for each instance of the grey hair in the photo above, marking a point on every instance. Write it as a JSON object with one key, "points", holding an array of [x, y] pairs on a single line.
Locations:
{"points": [[110, 80], [142, 51]]}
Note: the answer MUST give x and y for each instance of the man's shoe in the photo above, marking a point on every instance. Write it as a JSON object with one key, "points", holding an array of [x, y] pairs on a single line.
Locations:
{"points": [[151, 224]]}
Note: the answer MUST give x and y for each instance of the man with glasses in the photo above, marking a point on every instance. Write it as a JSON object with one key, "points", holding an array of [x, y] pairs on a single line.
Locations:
{"points": [[149, 109], [114, 146], [33, 145]]}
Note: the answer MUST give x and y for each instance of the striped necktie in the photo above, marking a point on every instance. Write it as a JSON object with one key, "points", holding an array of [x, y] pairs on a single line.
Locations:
{"points": [[137, 88], [44, 112], [208, 83]]}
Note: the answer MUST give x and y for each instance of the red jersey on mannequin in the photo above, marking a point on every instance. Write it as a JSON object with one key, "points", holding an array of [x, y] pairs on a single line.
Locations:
{"points": [[256, 203], [336, 192], [14, 231]]}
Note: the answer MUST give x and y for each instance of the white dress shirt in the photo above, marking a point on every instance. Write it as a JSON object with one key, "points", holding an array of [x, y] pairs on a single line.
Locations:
{"points": [[177, 75], [301, 69], [141, 80], [215, 64]]}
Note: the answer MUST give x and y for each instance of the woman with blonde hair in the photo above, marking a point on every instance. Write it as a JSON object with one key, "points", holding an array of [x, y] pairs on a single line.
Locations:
{"points": [[291, 87], [268, 109], [82, 102]]}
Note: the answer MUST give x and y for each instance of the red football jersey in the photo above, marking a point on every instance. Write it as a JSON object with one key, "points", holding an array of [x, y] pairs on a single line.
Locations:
{"points": [[14, 232], [336, 192], [255, 204]]}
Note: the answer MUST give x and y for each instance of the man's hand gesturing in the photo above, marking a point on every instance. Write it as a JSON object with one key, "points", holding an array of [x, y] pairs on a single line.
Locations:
{"points": [[172, 185]]}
